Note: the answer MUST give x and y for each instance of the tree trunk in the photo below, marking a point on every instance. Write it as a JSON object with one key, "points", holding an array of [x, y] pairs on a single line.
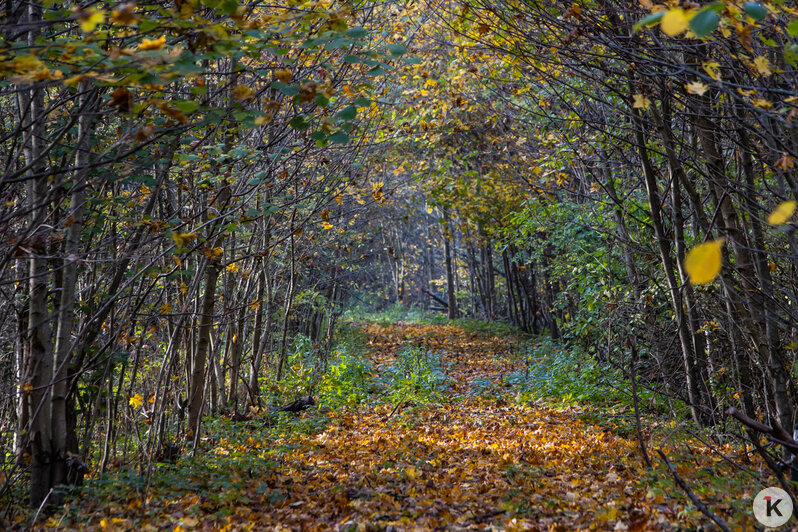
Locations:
{"points": [[447, 250], [69, 272], [682, 323]]}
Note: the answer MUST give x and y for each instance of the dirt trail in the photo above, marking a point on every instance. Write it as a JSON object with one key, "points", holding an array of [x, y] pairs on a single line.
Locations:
{"points": [[471, 461], [468, 464]]}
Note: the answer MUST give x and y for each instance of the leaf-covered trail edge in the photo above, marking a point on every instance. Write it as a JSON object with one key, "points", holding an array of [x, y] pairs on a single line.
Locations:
{"points": [[469, 462]]}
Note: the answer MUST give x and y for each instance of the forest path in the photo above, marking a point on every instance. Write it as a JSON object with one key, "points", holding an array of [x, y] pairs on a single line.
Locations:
{"points": [[472, 458], [472, 462]]}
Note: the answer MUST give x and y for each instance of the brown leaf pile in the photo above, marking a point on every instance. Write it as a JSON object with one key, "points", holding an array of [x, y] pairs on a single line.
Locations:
{"points": [[476, 463]]}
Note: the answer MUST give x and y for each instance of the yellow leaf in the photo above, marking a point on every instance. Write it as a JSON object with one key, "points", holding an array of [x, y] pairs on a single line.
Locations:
{"points": [[124, 15], [284, 75], [762, 65], [232, 267], [761, 103], [782, 213], [327, 225], [242, 92], [25, 64], [696, 87], [153, 44], [181, 238], [263, 120], [711, 68], [641, 102], [136, 401], [704, 261], [674, 22], [91, 20]]}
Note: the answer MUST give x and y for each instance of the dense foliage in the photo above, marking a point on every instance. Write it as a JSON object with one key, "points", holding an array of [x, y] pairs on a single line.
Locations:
{"points": [[195, 191]]}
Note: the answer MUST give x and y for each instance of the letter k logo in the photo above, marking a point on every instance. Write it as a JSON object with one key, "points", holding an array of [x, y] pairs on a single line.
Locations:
{"points": [[772, 507]]}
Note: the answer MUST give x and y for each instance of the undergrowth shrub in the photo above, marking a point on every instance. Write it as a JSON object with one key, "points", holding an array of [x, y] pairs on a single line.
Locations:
{"points": [[303, 362], [417, 375], [347, 382], [564, 374]]}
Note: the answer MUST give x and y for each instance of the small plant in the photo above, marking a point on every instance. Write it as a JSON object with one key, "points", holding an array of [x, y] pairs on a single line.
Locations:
{"points": [[563, 374], [347, 381], [303, 361], [417, 376]]}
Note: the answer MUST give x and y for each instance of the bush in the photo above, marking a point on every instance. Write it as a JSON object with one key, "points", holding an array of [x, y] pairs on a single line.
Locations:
{"points": [[347, 381], [565, 374], [417, 376]]}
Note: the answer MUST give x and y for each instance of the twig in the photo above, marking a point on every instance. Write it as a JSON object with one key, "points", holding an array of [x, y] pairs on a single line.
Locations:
{"points": [[400, 403], [482, 517], [35, 517], [700, 505], [776, 432], [635, 403]]}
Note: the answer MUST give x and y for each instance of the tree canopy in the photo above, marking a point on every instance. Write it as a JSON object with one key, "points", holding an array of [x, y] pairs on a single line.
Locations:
{"points": [[200, 200]]}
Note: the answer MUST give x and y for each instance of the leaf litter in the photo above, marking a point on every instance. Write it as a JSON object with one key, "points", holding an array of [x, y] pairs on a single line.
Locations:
{"points": [[467, 462]]}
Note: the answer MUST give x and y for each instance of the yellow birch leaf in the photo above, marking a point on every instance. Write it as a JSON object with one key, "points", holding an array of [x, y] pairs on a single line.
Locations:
{"points": [[711, 68], [762, 65], [674, 22], [262, 120], [761, 103], [242, 92], [136, 401], [153, 44], [782, 213], [284, 75], [704, 261], [91, 20], [641, 102], [181, 238]]}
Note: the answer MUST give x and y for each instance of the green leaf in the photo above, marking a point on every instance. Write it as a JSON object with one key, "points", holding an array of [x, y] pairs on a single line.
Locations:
{"points": [[650, 20], [288, 90], [338, 43], [347, 113], [230, 6], [321, 100], [299, 123], [377, 71], [792, 29], [791, 54], [362, 102], [356, 33], [704, 22], [339, 138], [351, 59], [318, 135], [755, 10], [397, 50], [187, 106]]}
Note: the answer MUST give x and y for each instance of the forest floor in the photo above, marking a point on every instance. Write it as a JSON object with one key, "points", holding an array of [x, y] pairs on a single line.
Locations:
{"points": [[465, 461]]}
